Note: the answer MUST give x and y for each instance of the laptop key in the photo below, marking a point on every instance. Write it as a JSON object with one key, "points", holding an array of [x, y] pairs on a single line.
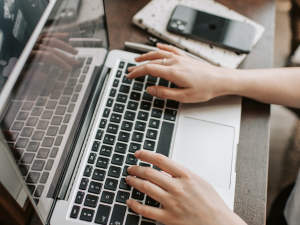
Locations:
{"points": [[158, 103], [106, 150], [43, 153], [114, 171], [112, 128], [102, 214], [91, 201], [33, 177], [119, 73], [17, 126], [119, 108], [135, 96], [74, 212], [109, 139], [126, 80], [31, 188], [118, 214], [36, 111], [24, 169], [137, 86], [123, 136], [131, 160], [157, 113], [71, 82], [27, 158], [99, 175], [74, 98], [123, 185], [145, 106], [121, 98], [33, 146], [22, 142], [32, 121], [143, 116], [67, 118], [84, 183], [149, 145], [26, 132], [124, 89], [116, 83], [132, 220], [39, 191], [106, 113], [134, 147], [95, 146], [55, 95], [113, 92], [111, 184], [125, 173], [129, 115], [129, 65], [117, 159], [172, 104], [149, 85], [27, 106], [144, 164], [88, 171], [95, 187], [56, 120], [53, 152], [152, 79], [81, 60], [64, 100], [107, 197], [141, 126], [75, 73], [121, 65], [87, 214], [163, 82], [102, 162], [154, 123], [127, 126], [147, 97], [92, 158], [22, 115], [122, 196], [136, 194], [79, 197], [44, 177], [51, 104], [165, 138], [121, 148], [52, 131], [103, 123], [109, 102], [138, 137], [86, 69], [71, 108], [47, 114], [99, 135], [78, 88], [49, 164], [132, 105], [152, 134], [38, 165], [89, 61], [38, 135], [151, 202]]}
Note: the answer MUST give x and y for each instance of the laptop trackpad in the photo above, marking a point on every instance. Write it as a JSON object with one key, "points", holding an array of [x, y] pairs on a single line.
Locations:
{"points": [[206, 148]]}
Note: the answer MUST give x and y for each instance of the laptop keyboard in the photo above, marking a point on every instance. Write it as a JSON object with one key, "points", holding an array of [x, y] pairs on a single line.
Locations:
{"points": [[38, 121], [132, 120]]}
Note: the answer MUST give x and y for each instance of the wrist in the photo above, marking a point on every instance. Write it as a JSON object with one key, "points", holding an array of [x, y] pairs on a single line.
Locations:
{"points": [[229, 217]]}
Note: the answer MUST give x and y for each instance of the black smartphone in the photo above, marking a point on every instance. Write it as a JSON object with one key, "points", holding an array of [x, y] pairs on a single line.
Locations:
{"points": [[212, 29]]}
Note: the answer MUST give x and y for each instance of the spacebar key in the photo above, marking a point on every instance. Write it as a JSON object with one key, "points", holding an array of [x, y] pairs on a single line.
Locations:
{"points": [[165, 138], [118, 215]]}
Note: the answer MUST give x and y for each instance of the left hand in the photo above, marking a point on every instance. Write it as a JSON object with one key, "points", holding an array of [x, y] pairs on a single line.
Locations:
{"points": [[186, 198]]}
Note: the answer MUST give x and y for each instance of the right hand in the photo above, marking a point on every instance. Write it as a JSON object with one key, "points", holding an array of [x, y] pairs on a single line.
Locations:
{"points": [[197, 81]]}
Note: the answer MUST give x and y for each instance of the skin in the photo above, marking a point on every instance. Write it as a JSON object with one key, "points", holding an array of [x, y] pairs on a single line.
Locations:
{"points": [[185, 197]]}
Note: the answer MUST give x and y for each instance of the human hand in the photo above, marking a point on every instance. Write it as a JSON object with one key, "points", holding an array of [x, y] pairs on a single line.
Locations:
{"points": [[44, 51], [197, 81], [186, 198]]}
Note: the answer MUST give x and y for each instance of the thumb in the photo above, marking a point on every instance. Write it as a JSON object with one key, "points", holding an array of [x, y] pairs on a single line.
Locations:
{"points": [[166, 93]]}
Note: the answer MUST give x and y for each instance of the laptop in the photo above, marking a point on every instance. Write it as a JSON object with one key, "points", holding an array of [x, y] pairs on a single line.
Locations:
{"points": [[73, 134]]}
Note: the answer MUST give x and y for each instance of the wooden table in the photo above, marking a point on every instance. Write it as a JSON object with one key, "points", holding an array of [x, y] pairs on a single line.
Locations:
{"points": [[253, 150]]}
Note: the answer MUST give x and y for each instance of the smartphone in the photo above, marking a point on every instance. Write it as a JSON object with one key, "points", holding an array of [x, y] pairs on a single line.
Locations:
{"points": [[212, 29]]}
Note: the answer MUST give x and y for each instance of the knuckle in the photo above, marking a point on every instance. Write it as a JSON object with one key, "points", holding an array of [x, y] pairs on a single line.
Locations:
{"points": [[145, 186], [163, 94], [148, 172], [160, 160], [145, 212]]}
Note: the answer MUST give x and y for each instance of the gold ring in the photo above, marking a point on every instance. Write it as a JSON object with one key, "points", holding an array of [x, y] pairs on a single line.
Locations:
{"points": [[164, 61]]}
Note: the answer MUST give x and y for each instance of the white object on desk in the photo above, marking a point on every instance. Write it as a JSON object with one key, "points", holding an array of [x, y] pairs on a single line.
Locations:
{"points": [[155, 16]]}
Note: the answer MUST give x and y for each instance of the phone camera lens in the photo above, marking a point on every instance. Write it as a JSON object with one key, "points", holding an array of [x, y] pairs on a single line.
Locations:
{"points": [[174, 25], [181, 27]]}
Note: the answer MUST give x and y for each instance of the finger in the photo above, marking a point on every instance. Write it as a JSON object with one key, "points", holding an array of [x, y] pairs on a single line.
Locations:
{"points": [[7, 134], [49, 57], [160, 54], [170, 48], [148, 188], [155, 71], [147, 211], [56, 43], [70, 61], [61, 36], [168, 62], [161, 162], [167, 93], [152, 175]]}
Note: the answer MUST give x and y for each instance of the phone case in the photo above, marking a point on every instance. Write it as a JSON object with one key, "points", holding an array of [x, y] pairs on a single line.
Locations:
{"points": [[155, 16]]}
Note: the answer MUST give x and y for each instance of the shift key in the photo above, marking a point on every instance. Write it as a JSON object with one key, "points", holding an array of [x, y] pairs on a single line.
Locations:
{"points": [[102, 214], [118, 214]]}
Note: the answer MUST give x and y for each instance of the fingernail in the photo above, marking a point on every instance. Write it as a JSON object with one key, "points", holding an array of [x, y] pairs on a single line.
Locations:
{"points": [[127, 178], [130, 68], [151, 91], [128, 202], [128, 75], [137, 57], [129, 169], [137, 154]]}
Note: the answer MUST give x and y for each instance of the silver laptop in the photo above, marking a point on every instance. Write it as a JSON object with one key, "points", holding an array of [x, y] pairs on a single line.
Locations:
{"points": [[73, 134]]}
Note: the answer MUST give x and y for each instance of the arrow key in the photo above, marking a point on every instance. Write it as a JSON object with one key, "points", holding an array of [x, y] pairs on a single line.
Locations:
{"points": [[122, 196]]}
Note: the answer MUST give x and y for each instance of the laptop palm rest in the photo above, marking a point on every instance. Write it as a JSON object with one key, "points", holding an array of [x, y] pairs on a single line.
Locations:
{"points": [[206, 148]]}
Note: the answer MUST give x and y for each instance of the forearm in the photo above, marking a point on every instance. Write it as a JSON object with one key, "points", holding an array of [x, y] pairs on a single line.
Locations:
{"points": [[272, 86]]}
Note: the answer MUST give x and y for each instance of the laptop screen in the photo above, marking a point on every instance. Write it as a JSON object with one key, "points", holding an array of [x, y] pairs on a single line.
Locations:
{"points": [[18, 19], [47, 103]]}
